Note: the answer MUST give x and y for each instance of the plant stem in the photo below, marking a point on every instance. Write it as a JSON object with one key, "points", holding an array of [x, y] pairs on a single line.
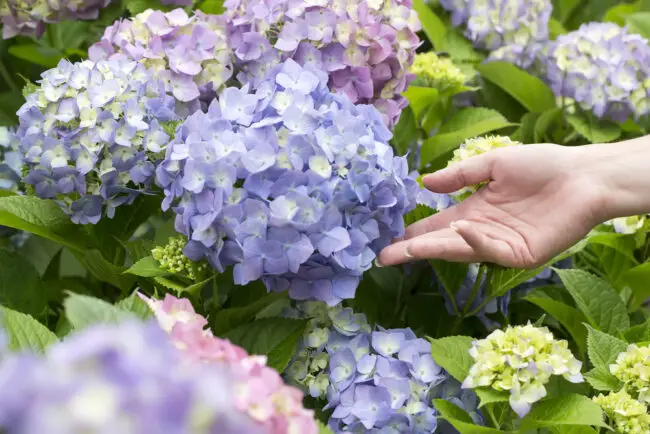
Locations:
{"points": [[7, 78], [497, 425], [475, 289]]}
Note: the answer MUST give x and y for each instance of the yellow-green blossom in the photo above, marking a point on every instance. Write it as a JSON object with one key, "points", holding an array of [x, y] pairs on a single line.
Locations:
{"points": [[473, 147], [170, 257], [626, 414], [628, 225], [521, 360], [437, 72], [632, 367]]}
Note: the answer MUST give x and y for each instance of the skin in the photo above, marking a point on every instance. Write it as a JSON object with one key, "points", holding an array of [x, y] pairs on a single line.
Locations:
{"points": [[540, 200]]}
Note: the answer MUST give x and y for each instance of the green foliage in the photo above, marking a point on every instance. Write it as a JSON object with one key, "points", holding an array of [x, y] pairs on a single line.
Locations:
{"points": [[452, 353], [460, 420], [21, 288], [275, 337], [83, 311], [565, 410], [147, 267], [24, 332]]}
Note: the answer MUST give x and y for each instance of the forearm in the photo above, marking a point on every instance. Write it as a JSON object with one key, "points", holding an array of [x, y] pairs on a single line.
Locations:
{"points": [[620, 173]]}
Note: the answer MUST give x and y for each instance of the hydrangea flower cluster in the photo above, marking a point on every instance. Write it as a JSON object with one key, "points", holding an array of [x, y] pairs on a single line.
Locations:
{"points": [[125, 378], [626, 414], [628, 225], [11, 160], [474, 147], [366, 47], [91, 133], [259, 391], [191, 54], [291, 183], [632, 367], [602, 68], [521, 360], [29, 17], [375, 380], [514, 29], [437, 72], [170, 257]]}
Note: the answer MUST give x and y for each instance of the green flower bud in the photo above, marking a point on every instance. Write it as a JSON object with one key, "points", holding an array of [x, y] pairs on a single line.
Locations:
{"points": [[436, 72], [171, 258]]}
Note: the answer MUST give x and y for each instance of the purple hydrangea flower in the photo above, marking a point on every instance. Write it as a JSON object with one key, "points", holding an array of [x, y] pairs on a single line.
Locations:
{"points": [[379, 381], [603, 69], [366, 47], [91, 133], [11, 160], [289, 183], [29, 17], [191, 54], [126, 378], [514, 30]]}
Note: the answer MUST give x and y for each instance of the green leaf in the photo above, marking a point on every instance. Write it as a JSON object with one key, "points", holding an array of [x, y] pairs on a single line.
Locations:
{"points": [[618, 13], [147, 267], [459, 419], [565, 8], [487, 395], [20, 285], [452, 353], [570, 318], [603, 348], [555, 28], [40, 217], [530, 91], [451, 274], [623, 243], [433, 26], [137, 6], [638, 333], [639, 23], [24, 332], [135, 305], [504, 279], [83, 311], [275, 337], [228, 319], [466, 124], [68, 35], [406, 132], [638, 279], [214, 7], [104, 271], [322, 429], [40, 55], [600, 303], [594, 131], [459, 48], [565, 410], [420, 98], [600, 379], [544, 124]]}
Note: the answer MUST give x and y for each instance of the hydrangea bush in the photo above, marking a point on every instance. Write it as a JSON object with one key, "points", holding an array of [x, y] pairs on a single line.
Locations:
{"points": [[234, 169]]}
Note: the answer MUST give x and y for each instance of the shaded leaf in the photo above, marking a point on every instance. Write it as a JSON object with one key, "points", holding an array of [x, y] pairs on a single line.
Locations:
{"points": [[24, 332], [83, 311], [460, 420], [20, 285], [228, 319]]}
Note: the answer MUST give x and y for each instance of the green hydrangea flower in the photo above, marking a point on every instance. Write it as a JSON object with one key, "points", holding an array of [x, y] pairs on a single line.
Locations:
{"points": [[170, 257], [632, 367], [626, 414], [437, 72], [473, 147], [521, 360]]}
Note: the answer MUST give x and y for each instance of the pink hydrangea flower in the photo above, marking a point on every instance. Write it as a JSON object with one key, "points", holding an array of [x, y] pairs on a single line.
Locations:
{"points": [[260, 392]]}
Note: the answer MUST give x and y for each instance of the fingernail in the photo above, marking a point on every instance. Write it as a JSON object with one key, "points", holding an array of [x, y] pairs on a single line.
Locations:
{"points": [[377, 263]]}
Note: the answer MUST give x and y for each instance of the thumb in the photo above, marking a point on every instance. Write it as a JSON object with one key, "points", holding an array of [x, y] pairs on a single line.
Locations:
{"points": [[472, 171]]}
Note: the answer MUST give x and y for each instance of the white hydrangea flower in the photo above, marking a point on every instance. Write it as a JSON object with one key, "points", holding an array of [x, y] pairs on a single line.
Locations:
{"points": [[632, 367], [628, 225], [626, 414], [521, 360]]}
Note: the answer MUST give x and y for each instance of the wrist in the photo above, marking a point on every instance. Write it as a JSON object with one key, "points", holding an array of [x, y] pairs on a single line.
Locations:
{"points": [[618, 177]]}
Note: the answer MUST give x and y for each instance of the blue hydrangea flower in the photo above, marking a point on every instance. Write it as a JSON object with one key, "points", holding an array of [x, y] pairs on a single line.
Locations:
{"points": [[11, 160], [112, 379], [289, 183], [91, 133], [514, 30], [374, 380], [603, 69]]}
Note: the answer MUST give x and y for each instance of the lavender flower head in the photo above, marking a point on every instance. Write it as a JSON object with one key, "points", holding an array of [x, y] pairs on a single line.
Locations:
{"points": [[376, 381], [11, 160], [601, 68], [290, 183], [29, 17], [125, 379], [191, 54], [366, 47], [90, 133], [514, 30]]}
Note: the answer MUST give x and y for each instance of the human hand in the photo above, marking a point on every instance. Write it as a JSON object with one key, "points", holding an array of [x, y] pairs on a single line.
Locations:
{"points": [[540, 200]]}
